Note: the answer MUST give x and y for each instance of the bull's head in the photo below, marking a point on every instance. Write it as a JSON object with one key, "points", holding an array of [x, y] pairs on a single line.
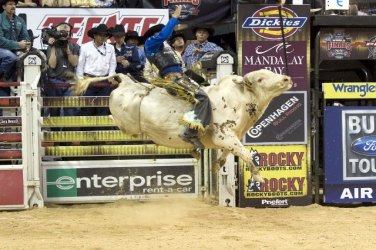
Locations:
{"points": [[266, 80]]}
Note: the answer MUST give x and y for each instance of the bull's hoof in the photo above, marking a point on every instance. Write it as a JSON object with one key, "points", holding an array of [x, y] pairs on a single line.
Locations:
{"points": [[196, 154], [258, 178]]}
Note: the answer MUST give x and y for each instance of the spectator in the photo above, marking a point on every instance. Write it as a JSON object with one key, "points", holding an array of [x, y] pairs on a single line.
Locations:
{"points": [[104, 3], [132, 38], [62, 56], [129, 3], [83, 3], [127, 58], [28, 3], [169, 65], [97, 58], [56, 3], [13, 37], [198, 48]]}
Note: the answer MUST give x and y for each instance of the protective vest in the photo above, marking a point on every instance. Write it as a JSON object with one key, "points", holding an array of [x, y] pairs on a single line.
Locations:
{"points": [[166, 57]]}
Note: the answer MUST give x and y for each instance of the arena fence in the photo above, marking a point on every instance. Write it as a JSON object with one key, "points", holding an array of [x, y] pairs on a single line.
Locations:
{"points": [[76, 159]]}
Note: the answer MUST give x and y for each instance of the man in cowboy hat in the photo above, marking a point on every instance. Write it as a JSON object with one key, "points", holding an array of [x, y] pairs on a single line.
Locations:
{"points": [[97, 58], [132, 38], [165, 59], [127, 58], [13, 37], [198, 48]]}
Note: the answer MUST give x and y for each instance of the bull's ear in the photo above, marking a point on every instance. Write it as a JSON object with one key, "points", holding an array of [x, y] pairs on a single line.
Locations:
{"points": [[238, 79]]}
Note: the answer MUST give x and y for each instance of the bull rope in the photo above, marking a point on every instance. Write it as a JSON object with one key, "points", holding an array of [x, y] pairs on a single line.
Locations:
{"points": [[283, 38]]}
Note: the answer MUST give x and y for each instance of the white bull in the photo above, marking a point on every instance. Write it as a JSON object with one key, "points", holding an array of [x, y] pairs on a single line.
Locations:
{"points": [[237, 103]]}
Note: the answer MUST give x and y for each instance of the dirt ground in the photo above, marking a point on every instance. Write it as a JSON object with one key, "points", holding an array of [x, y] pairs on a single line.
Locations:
{"points": [[187, 224]]}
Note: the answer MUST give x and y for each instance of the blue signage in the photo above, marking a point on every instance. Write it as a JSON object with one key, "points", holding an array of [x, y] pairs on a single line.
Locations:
{"points": [[350, 154]]}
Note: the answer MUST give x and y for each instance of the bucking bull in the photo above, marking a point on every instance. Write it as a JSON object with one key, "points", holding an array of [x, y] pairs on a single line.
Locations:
{"points": [[237, 103]]}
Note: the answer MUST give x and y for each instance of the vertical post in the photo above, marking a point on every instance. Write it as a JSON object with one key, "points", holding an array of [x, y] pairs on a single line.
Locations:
{"points": [[30, 113], [225, 62], [227, 183], [316, 122]]}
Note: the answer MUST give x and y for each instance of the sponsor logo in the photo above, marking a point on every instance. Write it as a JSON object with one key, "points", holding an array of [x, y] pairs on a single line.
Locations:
{"points": [[360, 150], [361, 88], [63, 183], [276, 202], [356, 193], [338, 45], [266, 22], [82, 24], [126, 181], [371, 45], [131, 182], [365, 146], [10, 121], [276, 117]]}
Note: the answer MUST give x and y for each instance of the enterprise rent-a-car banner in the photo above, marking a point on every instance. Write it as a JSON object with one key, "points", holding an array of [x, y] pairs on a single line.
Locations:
{"points": [[350, 154], [83, 19], [97, 181]]}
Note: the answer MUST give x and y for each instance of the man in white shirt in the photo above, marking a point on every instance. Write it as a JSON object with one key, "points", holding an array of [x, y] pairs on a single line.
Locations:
{"points": [[97, 58]]}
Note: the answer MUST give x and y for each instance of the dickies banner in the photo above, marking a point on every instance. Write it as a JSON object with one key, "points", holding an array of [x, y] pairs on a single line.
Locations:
{"points": [[260, 43], [286, 177], [350, 154]]}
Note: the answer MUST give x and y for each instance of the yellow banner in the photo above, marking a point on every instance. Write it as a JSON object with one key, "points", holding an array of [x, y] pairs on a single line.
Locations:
{"points": [[284, 170], [349, 90]]}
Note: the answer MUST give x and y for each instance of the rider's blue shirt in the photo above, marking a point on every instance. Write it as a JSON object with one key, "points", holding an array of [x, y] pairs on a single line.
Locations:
{"points": [[155, 43]]}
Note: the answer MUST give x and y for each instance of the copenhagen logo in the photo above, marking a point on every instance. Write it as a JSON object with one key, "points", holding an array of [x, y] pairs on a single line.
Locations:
{"points": [[63, 183], [266, 23]]}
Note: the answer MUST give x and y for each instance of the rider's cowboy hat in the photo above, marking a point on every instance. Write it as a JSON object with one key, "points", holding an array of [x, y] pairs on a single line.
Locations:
{"points": [[208, 29], [176, 35], [117, 30], [152, 31], [101, 28]]}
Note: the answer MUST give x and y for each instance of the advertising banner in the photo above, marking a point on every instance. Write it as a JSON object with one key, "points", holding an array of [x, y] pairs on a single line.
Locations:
{"points": [[286, 177], [260, 40], [283, 121], [349, 90], [278, 39], [347, 44], [197, 11], [78, 181], [83, 19], [349, 158], [11, 187]]}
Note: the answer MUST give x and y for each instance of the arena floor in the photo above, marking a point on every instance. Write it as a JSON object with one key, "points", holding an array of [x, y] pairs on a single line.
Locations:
{"points": [[187, 224]]}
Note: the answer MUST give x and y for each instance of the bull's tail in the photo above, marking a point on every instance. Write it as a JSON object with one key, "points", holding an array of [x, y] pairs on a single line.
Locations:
{"points": [[81, 85]]}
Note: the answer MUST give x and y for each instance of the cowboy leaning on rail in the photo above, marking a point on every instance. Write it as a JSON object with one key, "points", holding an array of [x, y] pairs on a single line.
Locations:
{"points": [[160, 54]]}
